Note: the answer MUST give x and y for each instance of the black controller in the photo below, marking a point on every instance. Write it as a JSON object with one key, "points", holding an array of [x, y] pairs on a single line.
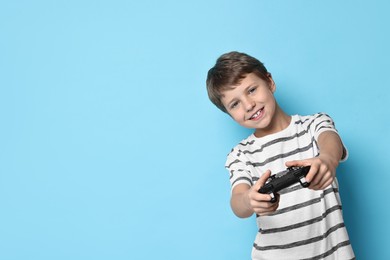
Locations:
{"points": [[284, 179]]}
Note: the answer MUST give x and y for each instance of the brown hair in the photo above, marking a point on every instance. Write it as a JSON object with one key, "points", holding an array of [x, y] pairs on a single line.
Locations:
{"points": [[228, 71]]}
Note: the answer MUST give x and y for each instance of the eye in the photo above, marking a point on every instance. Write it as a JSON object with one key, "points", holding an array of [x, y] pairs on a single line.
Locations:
{"points": [[252, 90], [234, 105]]}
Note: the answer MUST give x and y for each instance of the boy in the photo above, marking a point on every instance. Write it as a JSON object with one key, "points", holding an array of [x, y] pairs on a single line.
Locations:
{"points": [[305, 223]]}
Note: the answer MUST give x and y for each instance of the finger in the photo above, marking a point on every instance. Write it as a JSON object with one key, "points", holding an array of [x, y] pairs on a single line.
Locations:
{"points": [[297, 163], [322, 175], [327, 183], [316, 182], [261, 211], [262, 180], [267, 208], [310, 177], [262, 205], [326, 180], [258, 199], [320, 186]]}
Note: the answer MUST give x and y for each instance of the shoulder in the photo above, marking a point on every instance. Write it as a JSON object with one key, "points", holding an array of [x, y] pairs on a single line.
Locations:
{"points": [[312, 119], [317, 123], [243, 145]]}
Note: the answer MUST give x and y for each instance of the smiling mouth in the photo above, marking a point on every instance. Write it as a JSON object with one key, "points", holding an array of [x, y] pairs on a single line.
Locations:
{"points": [[257, 115]]}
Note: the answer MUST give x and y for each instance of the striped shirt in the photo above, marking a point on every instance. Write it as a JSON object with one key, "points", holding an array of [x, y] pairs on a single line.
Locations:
{"points": [[308, 224]]}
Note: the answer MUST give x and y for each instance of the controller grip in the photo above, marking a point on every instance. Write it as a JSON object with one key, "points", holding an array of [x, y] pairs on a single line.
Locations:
{"points": [[268, 189]]}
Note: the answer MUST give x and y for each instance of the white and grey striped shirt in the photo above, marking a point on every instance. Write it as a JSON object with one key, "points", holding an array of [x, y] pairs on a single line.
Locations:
{"points": [[308, 224]]}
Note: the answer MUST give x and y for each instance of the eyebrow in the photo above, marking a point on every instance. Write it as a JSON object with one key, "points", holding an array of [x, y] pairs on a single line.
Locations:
{"points": [[250, 85]]}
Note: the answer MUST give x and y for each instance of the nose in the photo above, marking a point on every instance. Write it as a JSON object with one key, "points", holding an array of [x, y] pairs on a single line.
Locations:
{"points": [[249, 104]]}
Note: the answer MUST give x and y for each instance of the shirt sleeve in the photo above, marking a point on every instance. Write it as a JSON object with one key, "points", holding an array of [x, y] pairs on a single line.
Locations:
{"points": [[321, 123], [238, 170]]}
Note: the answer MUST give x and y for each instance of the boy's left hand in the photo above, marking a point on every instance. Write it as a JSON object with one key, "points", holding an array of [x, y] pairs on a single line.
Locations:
{"points": [[322, 170]]}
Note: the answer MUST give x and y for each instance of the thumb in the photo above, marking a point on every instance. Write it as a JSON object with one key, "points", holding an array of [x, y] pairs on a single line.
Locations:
{"points": [[296, 163], [260, 183]]}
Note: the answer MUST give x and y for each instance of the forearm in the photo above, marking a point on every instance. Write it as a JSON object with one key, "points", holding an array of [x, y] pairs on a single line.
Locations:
{"points": [[239, 203], [323, 167], [330, 145]]}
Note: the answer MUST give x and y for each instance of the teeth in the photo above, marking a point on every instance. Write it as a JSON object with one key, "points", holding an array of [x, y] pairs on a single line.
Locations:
{"points": [[255, 115]]}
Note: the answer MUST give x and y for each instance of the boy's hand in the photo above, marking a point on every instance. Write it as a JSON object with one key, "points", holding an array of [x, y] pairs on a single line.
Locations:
{"points": [[260, 203], [322, 170]]}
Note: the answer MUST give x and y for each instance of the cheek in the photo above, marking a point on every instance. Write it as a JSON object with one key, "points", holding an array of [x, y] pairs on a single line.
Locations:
{"points": [[236, 116], [271, 101]]}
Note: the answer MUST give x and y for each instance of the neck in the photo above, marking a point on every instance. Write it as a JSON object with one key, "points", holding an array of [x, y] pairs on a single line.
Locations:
{"points": [[280, 121]]}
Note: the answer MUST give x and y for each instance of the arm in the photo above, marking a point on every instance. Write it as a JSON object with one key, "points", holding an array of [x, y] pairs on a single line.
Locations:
{"points": [[247, 200], [323, 167]]}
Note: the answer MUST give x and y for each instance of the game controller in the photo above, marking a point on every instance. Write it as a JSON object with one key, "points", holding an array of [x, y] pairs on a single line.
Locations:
{"points": [[285, 179]]}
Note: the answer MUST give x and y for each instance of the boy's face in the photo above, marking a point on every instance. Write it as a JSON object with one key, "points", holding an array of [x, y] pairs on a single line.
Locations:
{"points": [[252, 103]]}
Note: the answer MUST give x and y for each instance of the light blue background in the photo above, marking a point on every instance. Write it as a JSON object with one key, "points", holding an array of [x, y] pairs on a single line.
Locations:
{"points": [[110, 148]]}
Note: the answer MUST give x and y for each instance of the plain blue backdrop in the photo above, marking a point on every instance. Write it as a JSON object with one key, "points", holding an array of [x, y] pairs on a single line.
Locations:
{"points": [[110, 148]]}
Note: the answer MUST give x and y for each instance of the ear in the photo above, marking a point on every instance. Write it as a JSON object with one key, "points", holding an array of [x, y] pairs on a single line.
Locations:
{"points": [[271, 82]]}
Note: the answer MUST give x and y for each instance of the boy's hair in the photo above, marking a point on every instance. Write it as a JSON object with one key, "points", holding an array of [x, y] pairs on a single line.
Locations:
{"points": [[228, 71]]}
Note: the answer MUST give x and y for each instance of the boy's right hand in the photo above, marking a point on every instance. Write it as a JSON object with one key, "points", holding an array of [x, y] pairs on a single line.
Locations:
{"points": [[260, 203]]}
